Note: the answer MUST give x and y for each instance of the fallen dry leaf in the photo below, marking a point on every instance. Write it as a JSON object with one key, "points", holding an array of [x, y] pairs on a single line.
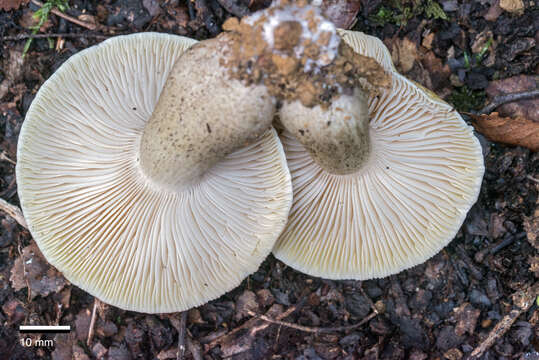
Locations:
{"points": [[512, 6], [524, 108], [42, 278], [171, 353], [531, 225], [437, 71], [11, 4], [82, 324], [246, 302], [342, 13], [14, 311], [534, 265], [403, 53], [427, 40], [493, 12], [518, 131], [63, 346], [27, 20], [466, 316]]}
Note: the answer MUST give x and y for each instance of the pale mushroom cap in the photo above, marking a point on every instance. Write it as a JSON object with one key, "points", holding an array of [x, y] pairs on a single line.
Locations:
{"points": [[403, 206], [103, 224]]}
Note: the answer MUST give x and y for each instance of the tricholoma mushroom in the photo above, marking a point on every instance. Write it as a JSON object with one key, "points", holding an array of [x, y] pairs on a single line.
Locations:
{"points": [[149, 178], [149, 173], [383, 177], [383, 171]]}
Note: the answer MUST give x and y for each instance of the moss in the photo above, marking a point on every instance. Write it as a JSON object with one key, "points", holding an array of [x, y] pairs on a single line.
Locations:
{"points": [[42, 15], [465, 100], [399, 12]]}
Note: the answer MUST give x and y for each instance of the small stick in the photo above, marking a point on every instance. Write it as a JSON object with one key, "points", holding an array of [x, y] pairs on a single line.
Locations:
{"points": [[526, 301], [502, 99], [194, 348], [57, 12], [313, 329], [248, 325], [371, 304], [180, 355], [92, 323], [14, 212], [29, 298], [52, 35], [529, 177], [4, 157]]}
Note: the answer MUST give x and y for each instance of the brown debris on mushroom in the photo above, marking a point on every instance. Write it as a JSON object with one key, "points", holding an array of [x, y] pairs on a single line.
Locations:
{"points": [[298, 55]]}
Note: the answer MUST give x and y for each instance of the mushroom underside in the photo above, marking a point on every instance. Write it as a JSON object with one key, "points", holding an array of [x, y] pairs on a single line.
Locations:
{"points": [[403, 206], [103, 223]]}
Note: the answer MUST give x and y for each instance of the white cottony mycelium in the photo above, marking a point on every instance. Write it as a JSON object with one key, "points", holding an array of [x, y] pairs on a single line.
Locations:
{"points": [[304, 15], [131, 234], [401, 204]]}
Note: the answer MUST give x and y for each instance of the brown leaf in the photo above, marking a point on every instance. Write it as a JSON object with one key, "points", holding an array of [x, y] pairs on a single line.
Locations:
{"points": [[99, 351], [79, 354], [495, 226], [82, 324], [525, 108], [32, 269], [171, 353], [342, 13], [534, 265], [11, 4], [531, 225], [438, 71], [493, 12], [512, 6], [28, 20], [519, 131], [403, 53], [427, 40], [63, 346], [14, 311], [245, 303], [466, 316]]}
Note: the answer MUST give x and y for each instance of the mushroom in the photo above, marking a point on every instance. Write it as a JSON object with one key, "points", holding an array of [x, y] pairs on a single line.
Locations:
{"points": [[383, 177], [148, 177]]}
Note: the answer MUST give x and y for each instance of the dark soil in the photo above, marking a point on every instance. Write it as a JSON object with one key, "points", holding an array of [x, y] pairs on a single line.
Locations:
{"points": [[441, 309]]}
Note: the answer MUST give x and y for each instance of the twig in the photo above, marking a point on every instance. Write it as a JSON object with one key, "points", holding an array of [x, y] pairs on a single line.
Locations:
{"points": [[249, 324], [180, 355], [4, 157], [194, 348], [24, 274], [524, 302], [371, 304], [313, 329], [92, 323], [57, 12], [52, 35], [14, 212], [502, 99], [507, 240]]}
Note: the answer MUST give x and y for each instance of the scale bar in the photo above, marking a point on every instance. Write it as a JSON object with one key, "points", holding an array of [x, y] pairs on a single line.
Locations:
{"points": [[44, 329]]}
